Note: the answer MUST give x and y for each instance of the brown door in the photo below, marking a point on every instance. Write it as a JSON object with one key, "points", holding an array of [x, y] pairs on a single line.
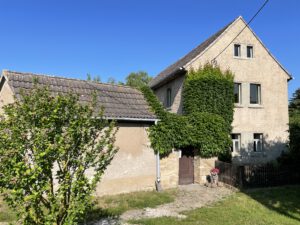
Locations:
{"points": [[186, 167]]}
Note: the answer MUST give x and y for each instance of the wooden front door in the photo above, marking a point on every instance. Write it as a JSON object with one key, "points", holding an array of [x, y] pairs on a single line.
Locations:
{"points": [[186, 167]]}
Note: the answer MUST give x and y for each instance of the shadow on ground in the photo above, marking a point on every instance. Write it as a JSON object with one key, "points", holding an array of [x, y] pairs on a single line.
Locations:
{"points": [[283, 200]]}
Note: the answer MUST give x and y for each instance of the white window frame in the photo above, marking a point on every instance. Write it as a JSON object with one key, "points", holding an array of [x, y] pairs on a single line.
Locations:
{"points": [[258, 142], [239, 93], [258, 94], [234, 141]]}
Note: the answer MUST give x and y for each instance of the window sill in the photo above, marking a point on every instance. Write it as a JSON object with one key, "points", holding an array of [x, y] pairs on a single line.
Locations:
{"points": [[237, 105], [255, 106], [242, 58]]}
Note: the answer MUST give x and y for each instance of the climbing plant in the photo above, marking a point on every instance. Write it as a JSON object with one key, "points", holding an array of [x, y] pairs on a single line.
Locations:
{"points": [[205, 125], [208, 89]]}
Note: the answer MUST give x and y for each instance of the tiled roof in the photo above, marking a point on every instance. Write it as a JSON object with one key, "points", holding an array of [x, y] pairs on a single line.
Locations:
{"points": [[171, 71], [119, 102]]}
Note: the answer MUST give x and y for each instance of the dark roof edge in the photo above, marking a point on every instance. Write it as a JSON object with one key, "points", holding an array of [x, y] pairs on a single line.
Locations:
{"points": [[179, 72]]}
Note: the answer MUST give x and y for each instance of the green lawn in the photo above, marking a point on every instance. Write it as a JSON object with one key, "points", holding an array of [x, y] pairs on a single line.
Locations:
{"points": [[6, 214], [117, 204], [269, 206], [112, 205]]}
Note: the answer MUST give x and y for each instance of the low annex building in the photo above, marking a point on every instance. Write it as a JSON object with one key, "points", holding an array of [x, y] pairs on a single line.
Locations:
{"points": [[134, 166]]}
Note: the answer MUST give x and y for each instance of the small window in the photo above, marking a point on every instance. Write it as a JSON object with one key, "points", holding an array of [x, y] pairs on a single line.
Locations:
{"points": [[236, 142], [237, 93], [169, 98], [258, 142], [249, 51], [255, 94], [237, 50]]}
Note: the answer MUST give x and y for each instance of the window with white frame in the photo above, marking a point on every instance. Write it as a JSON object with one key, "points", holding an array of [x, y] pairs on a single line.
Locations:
{"points": [[255, 94], [249, 51], [237, 50], [236, 142], [237, 93], [258, 142], [169, 98]]}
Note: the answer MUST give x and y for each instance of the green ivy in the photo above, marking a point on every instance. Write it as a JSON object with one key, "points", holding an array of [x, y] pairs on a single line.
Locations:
{"points": [[209, 90], [205, 125]]}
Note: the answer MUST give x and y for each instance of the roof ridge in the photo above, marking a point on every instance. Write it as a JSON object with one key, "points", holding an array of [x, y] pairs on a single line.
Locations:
{"points": [[63, 77]]}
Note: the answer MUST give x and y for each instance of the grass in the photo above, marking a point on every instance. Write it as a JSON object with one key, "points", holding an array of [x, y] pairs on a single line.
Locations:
{"points": [[268, 206], [115, 205], [6, 214], [112, 205]]}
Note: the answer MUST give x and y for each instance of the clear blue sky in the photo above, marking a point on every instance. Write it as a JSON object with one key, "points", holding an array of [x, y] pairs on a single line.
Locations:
{"points": [[115, 37]]}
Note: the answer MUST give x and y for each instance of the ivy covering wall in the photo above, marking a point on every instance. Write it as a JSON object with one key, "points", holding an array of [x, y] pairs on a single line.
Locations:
{"points": [[209, 90], [206, 124]]}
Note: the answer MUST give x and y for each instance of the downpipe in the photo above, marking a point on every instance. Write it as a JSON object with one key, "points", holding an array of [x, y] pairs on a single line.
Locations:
{"points": [[158, 181]]}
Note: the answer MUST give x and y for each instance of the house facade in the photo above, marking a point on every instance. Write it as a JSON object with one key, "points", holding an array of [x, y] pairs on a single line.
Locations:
{"points": [[260, 125]]}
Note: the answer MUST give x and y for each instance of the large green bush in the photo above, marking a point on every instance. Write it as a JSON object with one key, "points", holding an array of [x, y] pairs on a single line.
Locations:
{"points": [[47, 145]]}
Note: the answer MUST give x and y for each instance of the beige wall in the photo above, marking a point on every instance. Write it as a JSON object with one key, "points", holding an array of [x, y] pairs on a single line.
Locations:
{"points": [[6, 95], [269, 118], [176, 86], [133, 167]]}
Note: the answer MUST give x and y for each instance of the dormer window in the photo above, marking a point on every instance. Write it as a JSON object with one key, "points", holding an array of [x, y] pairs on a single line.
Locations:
{"points": [[237, 50], [249, 51], [169, 98]]}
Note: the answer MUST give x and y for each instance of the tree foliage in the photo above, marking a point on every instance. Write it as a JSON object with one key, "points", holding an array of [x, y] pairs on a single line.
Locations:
{"points": [[293, 155], [47, 145], [138, 79]]}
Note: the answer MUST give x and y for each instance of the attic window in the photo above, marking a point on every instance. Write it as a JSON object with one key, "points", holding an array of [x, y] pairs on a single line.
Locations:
{"points": [[237, 50], [249, 51]]}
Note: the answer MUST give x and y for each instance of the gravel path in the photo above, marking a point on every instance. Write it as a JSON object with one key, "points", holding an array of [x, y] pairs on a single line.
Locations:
{"points": [[189, 197]]}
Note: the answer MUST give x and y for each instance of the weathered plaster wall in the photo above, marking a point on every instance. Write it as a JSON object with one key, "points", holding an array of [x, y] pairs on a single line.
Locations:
{"points": [[170, 170], [269, 118], [133, 167]]}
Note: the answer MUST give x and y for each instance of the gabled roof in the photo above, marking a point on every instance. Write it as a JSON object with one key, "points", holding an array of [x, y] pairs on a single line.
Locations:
{"points": [[171, 70], [178, 67], [119, 102]]}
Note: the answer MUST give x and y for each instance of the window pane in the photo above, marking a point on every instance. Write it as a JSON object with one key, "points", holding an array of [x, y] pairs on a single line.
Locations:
{"points": [[237, 147], [237, 50], [249, 51], [254, 94], [237, 87], [258, 142], [169, 97]]}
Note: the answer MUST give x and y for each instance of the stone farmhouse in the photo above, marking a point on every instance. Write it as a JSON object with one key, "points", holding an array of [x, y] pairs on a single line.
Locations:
{"points": [[260, 125], [260, 116]]}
